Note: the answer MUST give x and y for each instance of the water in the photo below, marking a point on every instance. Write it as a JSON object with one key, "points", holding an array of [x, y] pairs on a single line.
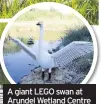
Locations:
{"points": [[17, 64]]}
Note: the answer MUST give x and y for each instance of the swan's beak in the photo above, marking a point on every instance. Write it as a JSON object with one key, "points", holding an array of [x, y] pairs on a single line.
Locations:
{"points": [[38, 24]]}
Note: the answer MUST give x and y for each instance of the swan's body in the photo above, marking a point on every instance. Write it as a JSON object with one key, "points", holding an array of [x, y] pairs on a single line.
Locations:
{"points": [[58, 59], [45, 60]]}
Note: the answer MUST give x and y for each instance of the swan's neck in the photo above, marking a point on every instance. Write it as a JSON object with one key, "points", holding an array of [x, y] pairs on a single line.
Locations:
{"points": [[40, 50]]}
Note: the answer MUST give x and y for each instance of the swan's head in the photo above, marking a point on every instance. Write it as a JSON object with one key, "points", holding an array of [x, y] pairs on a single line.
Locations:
{"points": [[40, 24]]}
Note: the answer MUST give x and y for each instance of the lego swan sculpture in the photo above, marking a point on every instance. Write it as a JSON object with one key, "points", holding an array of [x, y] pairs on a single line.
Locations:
{"points": [[60, 58]]}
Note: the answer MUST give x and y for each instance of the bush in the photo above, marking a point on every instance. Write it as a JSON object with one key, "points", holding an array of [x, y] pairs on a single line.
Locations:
{"points": [[76, 35]]}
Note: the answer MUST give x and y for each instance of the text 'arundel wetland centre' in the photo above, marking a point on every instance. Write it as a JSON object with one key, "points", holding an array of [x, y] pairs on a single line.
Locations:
{"points": [[36, 96]]}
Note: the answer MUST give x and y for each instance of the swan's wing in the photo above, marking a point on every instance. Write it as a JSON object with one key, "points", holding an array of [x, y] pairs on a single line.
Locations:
{"points": [[70, 52], [24, 47]]}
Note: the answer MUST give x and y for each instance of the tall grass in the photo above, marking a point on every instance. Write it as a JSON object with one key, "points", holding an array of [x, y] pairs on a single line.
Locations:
{"points": [[88, 8]]}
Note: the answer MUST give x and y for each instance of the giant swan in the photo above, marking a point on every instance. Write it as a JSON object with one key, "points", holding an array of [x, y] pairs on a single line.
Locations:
{"points": [[60, 58]]}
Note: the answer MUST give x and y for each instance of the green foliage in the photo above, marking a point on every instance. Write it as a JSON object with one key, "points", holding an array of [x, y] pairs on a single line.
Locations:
{"points": [[88, 8], [3, 79], [4, 11], [81, 34], [73, 3], [2, 26]]}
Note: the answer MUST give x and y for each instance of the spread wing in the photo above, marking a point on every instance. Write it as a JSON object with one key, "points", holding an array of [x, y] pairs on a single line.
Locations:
{"points": [[70, 52], [24, 47]]}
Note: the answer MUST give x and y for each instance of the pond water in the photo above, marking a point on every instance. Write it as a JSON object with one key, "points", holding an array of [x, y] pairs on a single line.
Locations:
{"points": [[17, 64]]}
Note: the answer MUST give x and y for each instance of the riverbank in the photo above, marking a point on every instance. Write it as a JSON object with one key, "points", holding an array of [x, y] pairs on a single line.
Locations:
{"points": [[75, 73], [59, 76]]}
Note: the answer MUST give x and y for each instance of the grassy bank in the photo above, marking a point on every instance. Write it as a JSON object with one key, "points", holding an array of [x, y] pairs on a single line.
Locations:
{"points": [[55, 24], [88, 8]]}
